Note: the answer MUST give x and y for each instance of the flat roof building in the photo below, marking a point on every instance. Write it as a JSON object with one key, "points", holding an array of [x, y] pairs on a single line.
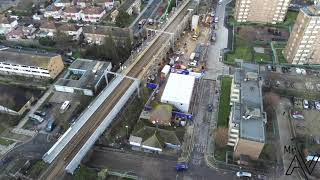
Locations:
{"points": [[84, 76], [247, 119], [178, 91], [303, 46], [27, 63], [262, 11]]}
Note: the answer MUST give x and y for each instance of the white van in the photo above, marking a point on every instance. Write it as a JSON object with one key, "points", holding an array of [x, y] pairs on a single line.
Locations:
{"points": [[243, 174], [65, 105]]}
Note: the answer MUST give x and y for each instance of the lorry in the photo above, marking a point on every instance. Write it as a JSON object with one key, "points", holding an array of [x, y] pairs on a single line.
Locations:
{"points": [[195, 27]]}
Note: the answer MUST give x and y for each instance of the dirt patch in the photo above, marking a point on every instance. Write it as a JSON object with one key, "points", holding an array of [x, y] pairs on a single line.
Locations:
{"points": [[263, 34]]}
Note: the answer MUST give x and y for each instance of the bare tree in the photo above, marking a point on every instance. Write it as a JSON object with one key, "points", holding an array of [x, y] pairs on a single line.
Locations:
{"points": [[220, 136], [271, 99]]}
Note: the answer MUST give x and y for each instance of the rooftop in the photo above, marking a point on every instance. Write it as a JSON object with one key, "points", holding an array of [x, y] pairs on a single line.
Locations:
{"points": [[313, 10], [71, 9], [84, 74], [250, 110], [93, 10], [126, 5], [48, 25], [26, 57]]}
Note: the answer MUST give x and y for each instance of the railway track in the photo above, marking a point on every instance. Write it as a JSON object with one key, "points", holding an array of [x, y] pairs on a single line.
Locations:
{"points": [[57, 167]]}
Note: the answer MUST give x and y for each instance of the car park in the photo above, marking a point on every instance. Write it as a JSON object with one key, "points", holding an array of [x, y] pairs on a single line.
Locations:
{"points": [[243, 174]]}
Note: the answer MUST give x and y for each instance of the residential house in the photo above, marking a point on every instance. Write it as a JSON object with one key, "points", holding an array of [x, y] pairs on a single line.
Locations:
{"points": [[108, 4], [63, 3], [53, 11], [29, 31], [131, 6], [27, 63], [7, 24], [72, 13], [84, 76], [97, 34], [15, 34], [84, 3], [71, 30], [92, 14], [47, 29], [247, 120]]}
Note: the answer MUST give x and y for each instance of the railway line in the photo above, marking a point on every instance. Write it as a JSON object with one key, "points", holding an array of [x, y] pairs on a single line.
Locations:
{"points": [[56, 169]]}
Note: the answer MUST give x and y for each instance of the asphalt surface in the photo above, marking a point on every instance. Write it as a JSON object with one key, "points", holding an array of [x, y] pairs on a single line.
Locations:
{"points": [[214, 66], [151, 168]]}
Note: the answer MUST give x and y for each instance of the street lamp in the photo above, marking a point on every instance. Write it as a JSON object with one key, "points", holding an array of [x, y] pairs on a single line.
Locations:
{"points": [[127, 129]]}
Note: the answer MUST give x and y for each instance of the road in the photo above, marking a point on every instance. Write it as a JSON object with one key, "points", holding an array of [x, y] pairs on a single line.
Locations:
{"points": [[214, 66], [56, 168], [150, 9], [148, 167], [285, 137]]}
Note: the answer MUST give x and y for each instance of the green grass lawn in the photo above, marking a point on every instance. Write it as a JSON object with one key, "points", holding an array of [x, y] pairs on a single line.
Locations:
{"points": [[220, 154], [262, 57], [280, 56], [242, 50], [5, 142], [290, 18], [224, 103]]}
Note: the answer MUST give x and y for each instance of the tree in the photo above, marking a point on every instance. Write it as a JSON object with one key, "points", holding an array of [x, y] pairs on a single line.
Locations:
{"points": [[220, 136], [84, 173], [46, 41], [122, 19]]}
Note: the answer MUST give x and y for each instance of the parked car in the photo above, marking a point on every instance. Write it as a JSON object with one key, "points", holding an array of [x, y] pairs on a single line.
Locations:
{"points": [[50, 126], [317, 104], [210, 107], [243, 174], [297, 115], [181, 166], [216, 19], [40, 113], [263, 177], [306, 104], [192, 64]]}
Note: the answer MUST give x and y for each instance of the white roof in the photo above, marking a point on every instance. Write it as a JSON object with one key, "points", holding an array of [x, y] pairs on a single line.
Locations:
{"points": [[178, 88], [166, 69]]}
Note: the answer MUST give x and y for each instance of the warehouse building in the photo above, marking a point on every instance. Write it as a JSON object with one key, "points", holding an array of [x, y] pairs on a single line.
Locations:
{"points": [[84, 76], [178, 91], [30, 63]]}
